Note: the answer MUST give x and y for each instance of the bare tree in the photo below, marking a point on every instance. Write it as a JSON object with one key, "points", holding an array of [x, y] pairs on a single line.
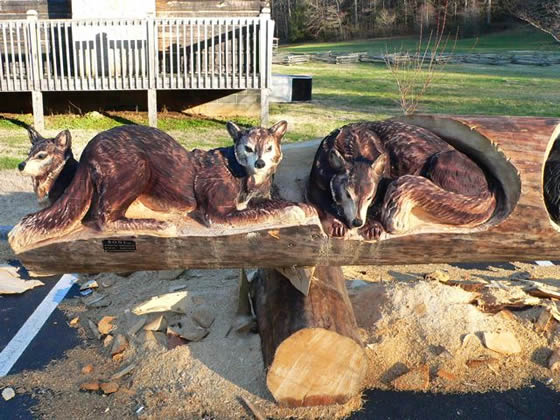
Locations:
{"points": [[542, 14]]}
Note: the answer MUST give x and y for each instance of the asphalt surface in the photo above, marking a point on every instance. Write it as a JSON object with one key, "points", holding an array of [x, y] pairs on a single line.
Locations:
{"points": [[55, 337]]}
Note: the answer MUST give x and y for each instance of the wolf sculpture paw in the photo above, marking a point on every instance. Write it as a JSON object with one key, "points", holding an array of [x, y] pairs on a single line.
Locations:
{"points": [[372, 230], [337, 229]]}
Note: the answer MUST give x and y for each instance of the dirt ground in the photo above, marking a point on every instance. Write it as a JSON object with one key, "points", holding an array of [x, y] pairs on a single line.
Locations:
{"points": [[406, 322]]}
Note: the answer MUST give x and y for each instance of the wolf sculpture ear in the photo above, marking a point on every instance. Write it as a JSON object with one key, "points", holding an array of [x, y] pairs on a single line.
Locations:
{"points": [[279, 129], [378, 165], [234, 131], [63, 140], [34, 136], [336, 161]]}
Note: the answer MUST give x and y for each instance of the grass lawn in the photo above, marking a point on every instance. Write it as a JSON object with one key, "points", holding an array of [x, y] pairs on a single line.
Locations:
{"points": [[343, 94], [525, 39]]}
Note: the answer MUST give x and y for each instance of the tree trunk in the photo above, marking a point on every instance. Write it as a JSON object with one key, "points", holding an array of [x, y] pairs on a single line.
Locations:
{"points": [[310, 344]]}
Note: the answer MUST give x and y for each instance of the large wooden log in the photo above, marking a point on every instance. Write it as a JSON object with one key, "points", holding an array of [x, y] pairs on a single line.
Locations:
{"points": [[513, 149], [310, 344]]}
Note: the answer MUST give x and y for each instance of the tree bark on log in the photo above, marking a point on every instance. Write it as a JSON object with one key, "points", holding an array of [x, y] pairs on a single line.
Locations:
{"points": [[310, 344], [514, 149]]}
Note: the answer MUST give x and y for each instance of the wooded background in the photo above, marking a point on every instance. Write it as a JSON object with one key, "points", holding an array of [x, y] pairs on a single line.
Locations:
{"points": [[299, 20]]}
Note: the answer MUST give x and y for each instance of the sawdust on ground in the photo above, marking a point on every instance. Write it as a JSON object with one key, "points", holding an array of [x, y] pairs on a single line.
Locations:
{"points": [[406, 322]]}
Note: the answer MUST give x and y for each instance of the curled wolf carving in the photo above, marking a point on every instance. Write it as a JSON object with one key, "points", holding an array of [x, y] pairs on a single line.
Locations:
{"points": [[374, 176], [136, 163]]}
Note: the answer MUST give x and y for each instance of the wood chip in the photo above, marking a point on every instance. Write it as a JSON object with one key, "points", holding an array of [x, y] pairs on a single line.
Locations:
{"points": [[74, 321], [504, 343], [477, 363], [155, 339], [447, 375], [417, 379], [120, 344], [544, 292], [554, 361], [90, 386], [87, 369], [105, 325], [174, 302], [440, 276], [203, 317], [8, 393], [188, 330], [108, 340], [169, 274], [109, 387], [256, 413], [137, 326], [93, 329], [90, 284], [545, 317], [123, 372], [159, 323], [11, 283]]}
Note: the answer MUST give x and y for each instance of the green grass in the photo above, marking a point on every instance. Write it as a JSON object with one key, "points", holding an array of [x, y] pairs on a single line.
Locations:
{"points": [[8, 162], [520, 39], [341, 94]]}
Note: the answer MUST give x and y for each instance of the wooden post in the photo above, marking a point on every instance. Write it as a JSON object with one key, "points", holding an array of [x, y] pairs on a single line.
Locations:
{"points": [[310, 344], [152, 107], [35, 62], [152, 71], [264, 65]]}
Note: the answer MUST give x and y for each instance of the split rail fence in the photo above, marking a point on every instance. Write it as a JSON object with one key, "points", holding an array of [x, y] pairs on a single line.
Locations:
{"points": [[135, 54]]}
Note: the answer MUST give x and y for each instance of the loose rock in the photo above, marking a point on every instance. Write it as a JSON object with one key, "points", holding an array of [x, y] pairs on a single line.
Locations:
{"points": [[504, 343], [8, 393], [203, 317], [417, 379]]}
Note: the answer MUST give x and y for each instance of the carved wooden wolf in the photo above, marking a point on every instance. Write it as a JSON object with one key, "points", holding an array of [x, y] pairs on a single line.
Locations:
{"points": [[137, 163], [51, 165], [373, 176]]}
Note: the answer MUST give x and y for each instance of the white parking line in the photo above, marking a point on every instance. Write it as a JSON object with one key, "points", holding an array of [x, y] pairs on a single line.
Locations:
{"points": [[545, 263], [34, 323]]}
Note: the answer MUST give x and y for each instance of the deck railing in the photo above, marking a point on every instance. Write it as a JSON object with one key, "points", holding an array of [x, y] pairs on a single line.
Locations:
{"points": [[132, 54]]}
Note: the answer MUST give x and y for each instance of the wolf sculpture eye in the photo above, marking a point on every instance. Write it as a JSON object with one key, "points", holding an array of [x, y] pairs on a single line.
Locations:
{"points": [[248, 149]]}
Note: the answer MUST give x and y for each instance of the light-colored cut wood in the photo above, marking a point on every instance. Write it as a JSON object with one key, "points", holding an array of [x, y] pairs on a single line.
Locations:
{"points": [[300, 277], [310, 343]]}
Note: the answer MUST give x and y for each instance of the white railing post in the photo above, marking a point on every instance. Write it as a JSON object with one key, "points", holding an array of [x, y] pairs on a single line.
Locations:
{"points": [[35, 62], [264, 64], [152, 72]]}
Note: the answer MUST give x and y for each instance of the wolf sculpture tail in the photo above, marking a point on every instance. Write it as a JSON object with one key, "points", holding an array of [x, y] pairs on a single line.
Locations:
{"points": [[63, 216], [415, 193]]}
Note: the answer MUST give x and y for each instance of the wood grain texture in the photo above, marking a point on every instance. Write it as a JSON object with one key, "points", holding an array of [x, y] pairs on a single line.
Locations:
{"points": [[521, 229], [310, 343]]}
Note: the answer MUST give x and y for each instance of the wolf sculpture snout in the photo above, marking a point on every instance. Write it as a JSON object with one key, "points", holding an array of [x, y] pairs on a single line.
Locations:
{"points": [[21, 166], [259, 164], [357, 222]]}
